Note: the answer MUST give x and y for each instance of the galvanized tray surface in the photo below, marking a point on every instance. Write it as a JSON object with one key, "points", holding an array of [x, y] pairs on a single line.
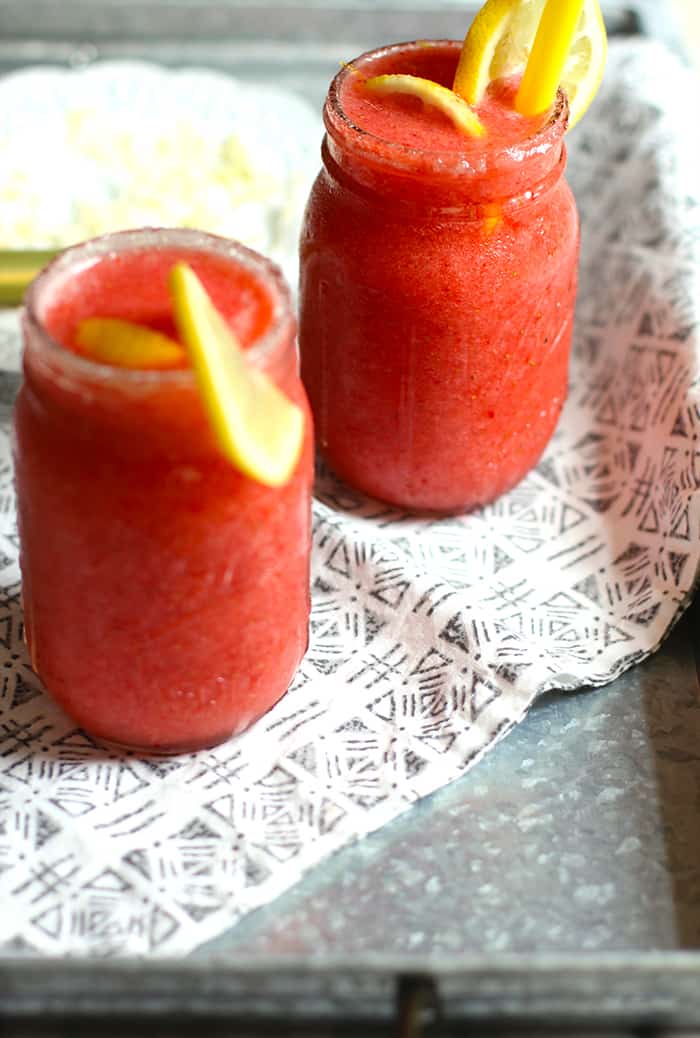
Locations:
{"points": [[558, 880]]}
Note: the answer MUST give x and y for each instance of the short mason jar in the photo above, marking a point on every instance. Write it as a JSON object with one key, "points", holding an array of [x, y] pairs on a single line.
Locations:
{"points": [[166, 595], [436, 302]]}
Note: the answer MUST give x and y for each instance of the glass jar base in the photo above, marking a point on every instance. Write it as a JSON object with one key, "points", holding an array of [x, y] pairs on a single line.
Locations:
{"points": [[421, 503], [170, 750]]}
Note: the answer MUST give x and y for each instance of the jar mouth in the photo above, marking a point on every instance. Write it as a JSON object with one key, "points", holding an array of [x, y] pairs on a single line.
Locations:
{"points": [[397, 155], [78, 257]]}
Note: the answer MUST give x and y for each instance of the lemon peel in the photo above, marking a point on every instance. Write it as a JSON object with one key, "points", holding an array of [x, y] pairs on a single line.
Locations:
{"points": [[124, 344], [440, 97]]}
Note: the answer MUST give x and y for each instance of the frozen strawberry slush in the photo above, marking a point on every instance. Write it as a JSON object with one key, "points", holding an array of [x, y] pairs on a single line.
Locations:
{"points": [[438, 278], [166, 595]]}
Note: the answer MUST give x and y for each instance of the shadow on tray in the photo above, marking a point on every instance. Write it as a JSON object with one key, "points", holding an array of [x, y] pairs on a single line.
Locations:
{"points": [[672, 709]]}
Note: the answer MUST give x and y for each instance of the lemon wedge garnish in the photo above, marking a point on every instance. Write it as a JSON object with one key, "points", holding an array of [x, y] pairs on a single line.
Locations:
{"points": [[256, 426], [500, 40], [440, 97], [123, 344]]}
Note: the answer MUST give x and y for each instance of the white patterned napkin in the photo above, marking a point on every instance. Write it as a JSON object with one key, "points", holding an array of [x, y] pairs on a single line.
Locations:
{"points": [[429, 638]]}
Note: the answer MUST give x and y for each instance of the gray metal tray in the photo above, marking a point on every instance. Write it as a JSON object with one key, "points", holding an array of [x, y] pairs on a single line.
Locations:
{"points": [[558, 881]]}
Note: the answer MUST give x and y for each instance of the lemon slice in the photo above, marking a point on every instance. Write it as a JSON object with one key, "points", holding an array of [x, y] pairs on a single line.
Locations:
{"points": [[455, 108], [257, 428], [500, 40], [124, 344]]}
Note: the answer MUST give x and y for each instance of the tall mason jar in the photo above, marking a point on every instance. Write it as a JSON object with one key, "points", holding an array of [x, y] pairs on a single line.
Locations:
{"points": [[437, 294]]}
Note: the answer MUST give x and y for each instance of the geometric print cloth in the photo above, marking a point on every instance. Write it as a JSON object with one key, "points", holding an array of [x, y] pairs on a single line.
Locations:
{"points": [[430, 638]]}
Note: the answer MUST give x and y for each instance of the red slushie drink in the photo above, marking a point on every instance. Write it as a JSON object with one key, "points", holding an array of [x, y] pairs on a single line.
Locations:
{"points": [[166, 595], [438, 277]]}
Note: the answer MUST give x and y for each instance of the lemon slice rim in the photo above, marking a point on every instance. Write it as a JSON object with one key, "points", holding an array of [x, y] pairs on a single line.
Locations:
{"points": [[218, 361], [455, 108], [488, 32], [472, 76]]}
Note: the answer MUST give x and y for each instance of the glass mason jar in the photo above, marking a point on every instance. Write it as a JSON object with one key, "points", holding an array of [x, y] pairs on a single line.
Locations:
{"points": [[436, 301], [166, 596]]}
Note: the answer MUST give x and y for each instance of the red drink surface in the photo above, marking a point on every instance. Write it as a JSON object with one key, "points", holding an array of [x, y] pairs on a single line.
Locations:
{"points": [[166, 595], [133, 287], [438, 276], [406, 120]]}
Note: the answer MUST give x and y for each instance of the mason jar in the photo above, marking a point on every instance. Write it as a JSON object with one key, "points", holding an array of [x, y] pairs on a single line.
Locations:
{"points": [[437, 296], [166, 595]]}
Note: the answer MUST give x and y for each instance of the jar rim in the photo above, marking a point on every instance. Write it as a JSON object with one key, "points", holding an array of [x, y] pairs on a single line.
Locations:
{"points": [[84, 254], [399, 156]]}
